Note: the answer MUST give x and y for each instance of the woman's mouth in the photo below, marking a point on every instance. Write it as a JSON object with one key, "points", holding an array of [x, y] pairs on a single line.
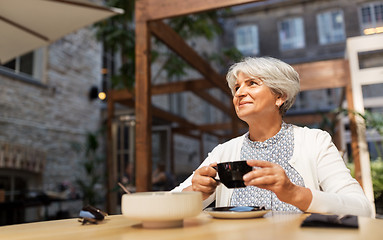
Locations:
{"points": [[243, 103]]}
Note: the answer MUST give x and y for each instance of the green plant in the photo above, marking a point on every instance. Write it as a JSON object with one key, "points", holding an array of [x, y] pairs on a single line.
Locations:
{"points": [[377, 177], [91, 163], [374, 120]]}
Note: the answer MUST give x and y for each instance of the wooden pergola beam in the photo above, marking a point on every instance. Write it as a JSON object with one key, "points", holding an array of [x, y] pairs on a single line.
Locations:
{"points": [[215, 126], [307, 118], [126, 98], [175, 42], [212, 100], [160, 9], [198, 87], [184, 124], [323, 74], [190, 85], [313, 76], [120, 95], [172, 118], [186, 133]]}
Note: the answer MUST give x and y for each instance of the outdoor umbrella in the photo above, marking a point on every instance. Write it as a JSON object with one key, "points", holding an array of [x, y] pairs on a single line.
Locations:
{"points": [[29, 24]]}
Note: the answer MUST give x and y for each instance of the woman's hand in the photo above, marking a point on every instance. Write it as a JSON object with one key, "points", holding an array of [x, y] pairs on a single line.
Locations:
{"points": [[272, 177], [203, 180]]}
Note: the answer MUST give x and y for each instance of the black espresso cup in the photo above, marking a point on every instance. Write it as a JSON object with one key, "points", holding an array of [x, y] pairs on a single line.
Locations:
{"points": [[231, 173]]}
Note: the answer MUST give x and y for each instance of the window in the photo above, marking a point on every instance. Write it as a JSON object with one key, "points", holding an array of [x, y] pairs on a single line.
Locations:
{"points": [[300, 102], [330, 27], [246, 39], [30, 64], [370, 59], [291, 34], [371, 18], [123, 134]]}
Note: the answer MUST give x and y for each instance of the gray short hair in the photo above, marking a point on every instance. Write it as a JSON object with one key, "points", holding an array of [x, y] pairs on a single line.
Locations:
{"points": [[279, 76]]}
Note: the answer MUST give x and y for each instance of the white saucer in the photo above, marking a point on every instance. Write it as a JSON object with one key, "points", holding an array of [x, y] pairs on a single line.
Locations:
{"points": [[225, 212]]}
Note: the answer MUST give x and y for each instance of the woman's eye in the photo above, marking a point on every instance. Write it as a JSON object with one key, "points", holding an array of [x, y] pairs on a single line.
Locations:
{"points": [[236, 89], [254, 83]]}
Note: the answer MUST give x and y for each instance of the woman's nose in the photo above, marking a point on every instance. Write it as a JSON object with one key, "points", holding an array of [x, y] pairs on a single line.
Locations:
{"points": [[241, 91]]}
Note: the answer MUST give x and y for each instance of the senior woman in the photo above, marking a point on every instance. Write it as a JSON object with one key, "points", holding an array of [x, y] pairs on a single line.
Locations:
{"points": [[295, 169]]}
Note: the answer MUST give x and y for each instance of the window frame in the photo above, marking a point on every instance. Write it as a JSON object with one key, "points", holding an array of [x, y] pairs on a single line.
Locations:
{"points": [[333, 32], [374, 23], [301, 39], [251, 48], [39, 64]]}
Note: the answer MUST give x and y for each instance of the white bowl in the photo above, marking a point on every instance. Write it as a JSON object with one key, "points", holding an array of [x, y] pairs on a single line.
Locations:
{"points": [[161, 209]]}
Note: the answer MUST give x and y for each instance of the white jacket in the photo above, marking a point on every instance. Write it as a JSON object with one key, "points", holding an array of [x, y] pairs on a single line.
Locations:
{"points": [[319, 163]]}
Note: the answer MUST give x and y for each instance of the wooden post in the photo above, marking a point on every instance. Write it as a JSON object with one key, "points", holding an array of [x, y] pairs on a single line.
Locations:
{"points": [[143, 102], [354, 134], [362, 168], [172, 167], [201, 148], [111, 164]]}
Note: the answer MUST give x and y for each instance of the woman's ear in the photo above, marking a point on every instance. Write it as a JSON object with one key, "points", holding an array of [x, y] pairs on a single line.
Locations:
{"points": [[280, 100]]}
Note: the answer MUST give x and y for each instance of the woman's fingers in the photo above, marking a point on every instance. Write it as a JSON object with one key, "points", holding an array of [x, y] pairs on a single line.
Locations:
{"points": [[203, 180], [259, 163], [208, 189], [267, 175], [266, 180], [207, 171], [266, 169], [213, 164]]}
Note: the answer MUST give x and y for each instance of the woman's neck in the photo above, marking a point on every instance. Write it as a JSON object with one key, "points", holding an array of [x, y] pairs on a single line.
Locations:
{"points": [[263, 129]]}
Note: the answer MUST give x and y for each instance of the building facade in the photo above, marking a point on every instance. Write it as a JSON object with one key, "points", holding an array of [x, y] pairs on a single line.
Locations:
{"points": [[45, 107], [301, 31]]}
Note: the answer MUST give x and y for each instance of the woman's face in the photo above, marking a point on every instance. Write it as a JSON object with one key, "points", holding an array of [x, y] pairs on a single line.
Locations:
{"points": [[253, 98]]}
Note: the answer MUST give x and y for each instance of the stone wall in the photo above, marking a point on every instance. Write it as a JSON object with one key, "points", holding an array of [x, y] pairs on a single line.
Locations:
{"points": [[52, 116]]}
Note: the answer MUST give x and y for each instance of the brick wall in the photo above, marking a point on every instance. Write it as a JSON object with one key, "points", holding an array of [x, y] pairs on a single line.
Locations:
{"points": [[50, 117]]}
